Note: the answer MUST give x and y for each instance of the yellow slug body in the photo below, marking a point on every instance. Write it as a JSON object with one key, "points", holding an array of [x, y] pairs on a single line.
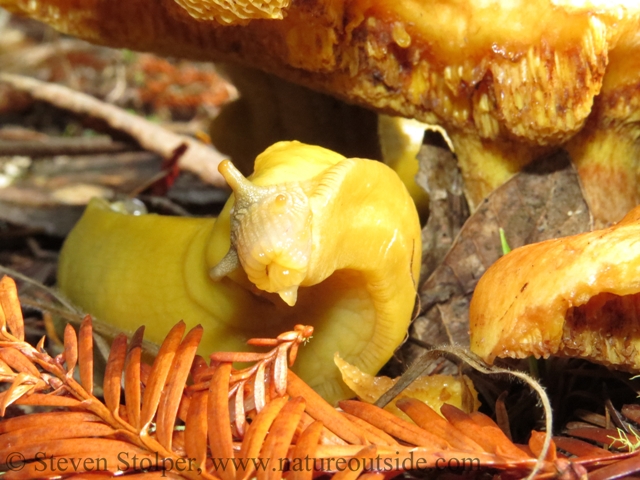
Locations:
{"points": [[322, 240]]}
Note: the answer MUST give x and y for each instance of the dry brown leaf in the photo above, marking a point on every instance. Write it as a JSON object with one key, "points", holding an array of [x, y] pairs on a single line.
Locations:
{"points": [[580, 448], [21, 385], [427, 418], [306, 449], [372, 476], [536, 442], [196, 428], [322, 411], [41, 433], [58, 447], [70, 348], [45, 400], [368, 452], [276, 446], [374, 434], [16, 423], [619, 469], [10, 309], [132, 379], [18, 361], [257, 433], [544, 201], [393, 425], [484, 431], [440, 177]]}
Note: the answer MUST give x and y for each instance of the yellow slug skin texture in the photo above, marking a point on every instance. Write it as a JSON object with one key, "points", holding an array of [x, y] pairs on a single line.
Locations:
{"points": [[347, 258]]}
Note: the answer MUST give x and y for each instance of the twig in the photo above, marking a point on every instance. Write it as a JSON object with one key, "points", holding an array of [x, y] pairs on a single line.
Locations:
{"points": [[51, 291], [418, 367], [34, 56], [165, 204], [199, 158], [38, 252], [162, 181], [62, 146]]}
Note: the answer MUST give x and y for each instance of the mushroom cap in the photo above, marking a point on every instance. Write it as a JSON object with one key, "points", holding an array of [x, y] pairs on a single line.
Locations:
{"points": [[510, 80], [526, 69], [576, 296]]}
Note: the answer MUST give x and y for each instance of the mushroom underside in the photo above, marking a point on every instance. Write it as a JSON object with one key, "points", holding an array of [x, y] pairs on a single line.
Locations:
{"points": [[508, 80], [605, 330]]}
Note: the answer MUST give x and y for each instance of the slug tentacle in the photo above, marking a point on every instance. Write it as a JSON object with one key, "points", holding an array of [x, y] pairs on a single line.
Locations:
{"points": [[321, 239], [230, 263], [270, 233]]}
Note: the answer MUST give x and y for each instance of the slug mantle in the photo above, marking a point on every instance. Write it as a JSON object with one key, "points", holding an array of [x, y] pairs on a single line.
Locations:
{"points": [[312, 237]]}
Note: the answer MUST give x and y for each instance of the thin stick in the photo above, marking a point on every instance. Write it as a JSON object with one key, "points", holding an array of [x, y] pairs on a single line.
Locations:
{"points": [[199, 158], [51, 291], [62, 146], [418, 367]]}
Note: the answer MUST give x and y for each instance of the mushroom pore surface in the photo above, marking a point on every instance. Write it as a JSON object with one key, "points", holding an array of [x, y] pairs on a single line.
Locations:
{"points": [[509, 79]]}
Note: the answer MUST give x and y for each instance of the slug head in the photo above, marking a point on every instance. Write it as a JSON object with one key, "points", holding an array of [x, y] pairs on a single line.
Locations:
{"points": [[270, 235]]}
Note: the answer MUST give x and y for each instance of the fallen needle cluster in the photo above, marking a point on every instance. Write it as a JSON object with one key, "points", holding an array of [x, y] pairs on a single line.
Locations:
{"points": [[184, 418]]}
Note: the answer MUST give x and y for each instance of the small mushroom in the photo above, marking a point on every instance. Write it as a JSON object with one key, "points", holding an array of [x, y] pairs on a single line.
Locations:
{"points": [[576, 296], [310, 237], [508, 80]]}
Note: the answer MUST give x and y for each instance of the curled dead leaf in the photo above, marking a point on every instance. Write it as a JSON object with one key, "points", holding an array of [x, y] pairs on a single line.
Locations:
{"points": [[434, 390]]}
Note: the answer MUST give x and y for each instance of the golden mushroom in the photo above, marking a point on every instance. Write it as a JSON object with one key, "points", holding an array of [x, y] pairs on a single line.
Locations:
{"points": [[509, 80], [322, 240], [576, 296]]}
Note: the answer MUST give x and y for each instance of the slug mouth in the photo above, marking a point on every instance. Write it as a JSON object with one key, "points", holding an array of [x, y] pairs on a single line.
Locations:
{"points": [[289, 295], [275, 278], [281, 277], [285, 282], [274, 249], [270, 235]]}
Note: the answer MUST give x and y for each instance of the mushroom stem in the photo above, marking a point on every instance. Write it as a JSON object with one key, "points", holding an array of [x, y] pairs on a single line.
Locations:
{"points": [[486, 164], [607, 162], [607, 151]]}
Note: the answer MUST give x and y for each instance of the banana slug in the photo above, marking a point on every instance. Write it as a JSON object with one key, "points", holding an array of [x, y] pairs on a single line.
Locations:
{"points": [[312, 237]]}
